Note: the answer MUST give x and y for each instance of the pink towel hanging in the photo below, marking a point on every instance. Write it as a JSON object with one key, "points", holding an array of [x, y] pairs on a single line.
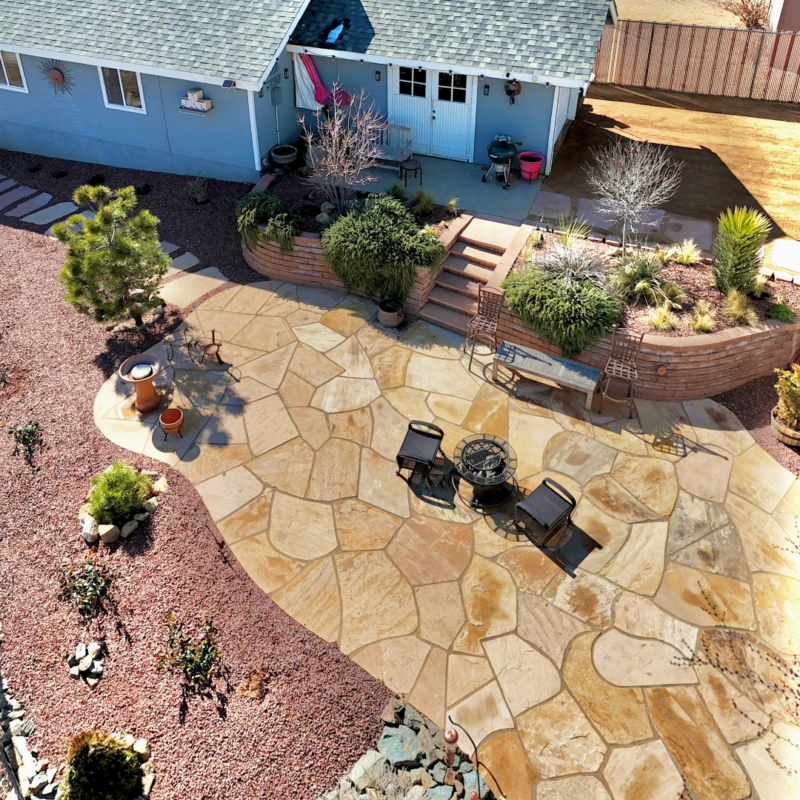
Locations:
{"points": [[321, 94]]}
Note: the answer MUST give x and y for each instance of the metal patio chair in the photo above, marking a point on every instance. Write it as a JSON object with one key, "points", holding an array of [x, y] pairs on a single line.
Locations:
{"points": [[484, 324], [621, 364], [420, 447], [549, 508]]}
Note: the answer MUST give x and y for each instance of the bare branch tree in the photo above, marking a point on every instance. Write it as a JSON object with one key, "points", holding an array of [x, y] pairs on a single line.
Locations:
{"points": [[343, 145], [629, 178], [753, 14]]}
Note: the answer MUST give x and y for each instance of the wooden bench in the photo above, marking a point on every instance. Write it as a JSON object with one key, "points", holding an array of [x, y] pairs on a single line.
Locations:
{"points": [[561, 371], [396, 143]]}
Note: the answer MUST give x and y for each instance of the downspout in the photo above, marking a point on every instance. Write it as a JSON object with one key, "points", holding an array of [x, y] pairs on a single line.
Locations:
{"points": [[277, 125], [251, 104]]}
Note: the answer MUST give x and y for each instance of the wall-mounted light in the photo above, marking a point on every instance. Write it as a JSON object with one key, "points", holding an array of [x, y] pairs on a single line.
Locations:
{"points": [[286, 74], [508, 74], [261, 92], [486, 88], [378, 75]]}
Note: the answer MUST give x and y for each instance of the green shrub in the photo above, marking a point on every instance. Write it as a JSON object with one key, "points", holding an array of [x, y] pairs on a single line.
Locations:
{"points": [[788, 387], [375, 247], [199, 191], [638, 277], [781, 312], [398, 192], [424, 203], [195, 657], [571, 316], [703, 320], [572, 230], [260, 208], [686, 253], [661, 318], [737, 249], [118, 494], [100, 767], [738, 309], [26, 436], [574, 264], [86, 584]]}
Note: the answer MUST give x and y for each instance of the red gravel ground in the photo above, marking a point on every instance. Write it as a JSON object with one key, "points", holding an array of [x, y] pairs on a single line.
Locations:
{"points": [[321, 711]]}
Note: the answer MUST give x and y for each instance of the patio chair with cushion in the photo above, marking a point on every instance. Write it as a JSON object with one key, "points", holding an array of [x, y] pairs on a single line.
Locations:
{"points": [[549, 508], [420, 448]]}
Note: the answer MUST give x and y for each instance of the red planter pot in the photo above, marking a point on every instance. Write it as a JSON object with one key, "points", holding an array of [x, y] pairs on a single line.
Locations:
{"points": [[529, 164]]}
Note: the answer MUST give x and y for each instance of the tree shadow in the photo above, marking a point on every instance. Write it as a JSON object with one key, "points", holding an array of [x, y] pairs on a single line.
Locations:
{"points": [[209, 692]]}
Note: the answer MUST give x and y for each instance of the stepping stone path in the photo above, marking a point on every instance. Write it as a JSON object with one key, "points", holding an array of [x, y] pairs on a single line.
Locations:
{"points": [[14, 196], [168, 247], [6, 185], [185, 261], [30, 205], [51, 214]]}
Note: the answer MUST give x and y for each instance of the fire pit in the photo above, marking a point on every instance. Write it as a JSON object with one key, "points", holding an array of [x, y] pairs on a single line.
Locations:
{"points": [[140, 371], [488, 463]]}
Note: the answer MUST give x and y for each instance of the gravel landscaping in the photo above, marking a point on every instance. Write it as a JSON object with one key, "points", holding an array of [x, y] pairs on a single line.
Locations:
{"points": [[321, 711]]}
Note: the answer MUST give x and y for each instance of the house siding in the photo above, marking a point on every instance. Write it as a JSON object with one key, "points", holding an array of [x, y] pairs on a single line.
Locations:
{"points": [[290, 130], [527, 121], [353, 75], [78, 126], [562, 112]]}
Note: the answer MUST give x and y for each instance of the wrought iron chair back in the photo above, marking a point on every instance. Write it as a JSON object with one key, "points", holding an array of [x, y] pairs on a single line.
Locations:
{"points": [[490, 303], [625, 345]]}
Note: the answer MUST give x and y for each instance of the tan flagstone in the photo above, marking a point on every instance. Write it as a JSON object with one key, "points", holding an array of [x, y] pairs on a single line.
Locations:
{"points": [[301, 528], [641, 617], [452, 409], [531, 568], [758, 476], [301, 317], [350, 315], [268, 424], [390, 365], [621, 437], [453, 434], [546, 627], [250, 299], [788, 510], [489, 542], [374, 340], [619, 714], [693, 518], [312, 425], [777, 601], [433, 341], [190, 287], [334, 476], [218, 301], [720, 552], [350, 356], [202, 461], [172, 448], [287, 467], [489, 412], [586, 596], [643, 772], [353, 425], [577, 787], [312, 366], [362, 527], [312, 598], [295, 391], [490, 602], [559, 739], [614, 499], [624, 661], [538, 406], [715, 424], [640, 563], [268, 568], [773, 762], [569, 412], [428, 695], [578, 456], [245, 390], [111, 394], [270, 369], [247, 521], [130, 434], [230, 490], [609, 532], [390, 428], [705, 599], [203, 389], [436, 374], [265, 333], [695, 743], [396, 662], [441, 614], [283, 304], [318, 336], [428, 550], [705, 472], [529, 435], [380, 486], [505, 759], [226, 323], [317, 301], [465, 674], [650, 480], [345, 394], [526, 677], [387, 609], [409, 403], [436, 498], [225, 426], [482, 714], [737, 716]]}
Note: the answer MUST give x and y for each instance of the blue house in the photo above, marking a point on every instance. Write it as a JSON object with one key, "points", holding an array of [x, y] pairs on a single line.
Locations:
{"points": [[116, 83]]}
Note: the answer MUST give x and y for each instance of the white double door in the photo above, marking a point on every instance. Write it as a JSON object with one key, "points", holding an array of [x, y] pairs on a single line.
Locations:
{"points": [[439, 106]]}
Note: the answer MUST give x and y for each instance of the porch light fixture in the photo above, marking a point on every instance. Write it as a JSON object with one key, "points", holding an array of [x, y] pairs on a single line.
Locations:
{"points": [[377, 75], [286, 74], [486, 89]]}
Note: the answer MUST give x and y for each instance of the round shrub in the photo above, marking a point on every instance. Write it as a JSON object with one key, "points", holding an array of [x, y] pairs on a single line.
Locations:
{"points": [[100, 768], [260, 208], [375, 247], [569, 315], [118, 494]]}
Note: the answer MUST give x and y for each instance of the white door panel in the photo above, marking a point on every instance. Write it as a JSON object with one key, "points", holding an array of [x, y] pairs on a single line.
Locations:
{"points": [[452, 129]]}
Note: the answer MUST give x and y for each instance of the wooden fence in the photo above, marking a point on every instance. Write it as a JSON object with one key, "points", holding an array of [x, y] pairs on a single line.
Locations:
{"points": [[728, 62]]}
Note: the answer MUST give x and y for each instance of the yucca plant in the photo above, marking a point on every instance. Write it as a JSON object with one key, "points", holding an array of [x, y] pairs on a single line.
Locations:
{"points": [[687, 253], [637, 277], [661, 318], [788, 387], [572, 229], [704, 318], [738, 309], [737, 249]]}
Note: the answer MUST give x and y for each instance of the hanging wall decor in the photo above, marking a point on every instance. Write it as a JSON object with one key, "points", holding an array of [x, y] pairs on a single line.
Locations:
{"points": [[513, 88], [57, 76]]}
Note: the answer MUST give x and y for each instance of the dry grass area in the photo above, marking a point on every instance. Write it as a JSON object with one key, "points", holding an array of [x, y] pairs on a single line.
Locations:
{"points": [[683, 12]]}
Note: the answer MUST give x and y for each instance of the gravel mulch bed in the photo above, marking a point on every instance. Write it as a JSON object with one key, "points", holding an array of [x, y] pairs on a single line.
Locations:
{"points": [[321, 711]]}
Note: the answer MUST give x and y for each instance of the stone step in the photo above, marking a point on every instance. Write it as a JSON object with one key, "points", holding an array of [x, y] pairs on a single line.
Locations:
{"points": [[455, 321], [51, 214], [5, 185], [169, 248], [491, 233], [14, 196], [467, 269], [459, 283], [453, 300], [31, 205], [479, 255]]}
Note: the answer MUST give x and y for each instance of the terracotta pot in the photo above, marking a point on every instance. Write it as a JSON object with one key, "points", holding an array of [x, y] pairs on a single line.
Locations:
{"points": [[391, 313], [782, 432], [171, 420], [147, 399]]}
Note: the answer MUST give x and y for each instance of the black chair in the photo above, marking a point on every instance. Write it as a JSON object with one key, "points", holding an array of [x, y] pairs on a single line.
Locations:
{"points": [[420, 447], [549, 507]]}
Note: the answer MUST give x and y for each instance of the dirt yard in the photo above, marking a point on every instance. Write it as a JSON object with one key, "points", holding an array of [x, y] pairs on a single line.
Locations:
{"points": [[685, 12], [735, 152]]}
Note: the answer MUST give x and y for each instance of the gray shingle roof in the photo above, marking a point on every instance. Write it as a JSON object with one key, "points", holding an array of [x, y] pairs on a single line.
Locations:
{"points": [[556, 38], [219, 38]]}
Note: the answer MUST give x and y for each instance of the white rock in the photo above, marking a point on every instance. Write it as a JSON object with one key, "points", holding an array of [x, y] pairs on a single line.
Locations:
{"points": [[94, 649], [109, 533], [39, 782], [363, 768], [323, 218], [128, 528], [141, 517], [142, 749], [147, 784], [327, 208], [42, 764], [85, 664], [149, 767], [160, 486], [80, 651], [151, 505]]}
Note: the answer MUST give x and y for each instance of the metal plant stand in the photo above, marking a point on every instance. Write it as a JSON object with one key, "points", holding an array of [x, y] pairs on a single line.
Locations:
{"points": [[488, 463]]}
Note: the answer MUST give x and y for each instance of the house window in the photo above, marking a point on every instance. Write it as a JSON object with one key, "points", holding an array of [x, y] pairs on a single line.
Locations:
{"points": [[122, 89], [413, 81], [452, 87], [11, 75]]}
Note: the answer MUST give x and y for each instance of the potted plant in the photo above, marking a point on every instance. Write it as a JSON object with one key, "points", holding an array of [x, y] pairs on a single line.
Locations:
{"points": [[785, 416], [391, 312]]}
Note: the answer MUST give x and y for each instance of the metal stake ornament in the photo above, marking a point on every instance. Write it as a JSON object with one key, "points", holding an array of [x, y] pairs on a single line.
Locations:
{"points": [[451, 739]]}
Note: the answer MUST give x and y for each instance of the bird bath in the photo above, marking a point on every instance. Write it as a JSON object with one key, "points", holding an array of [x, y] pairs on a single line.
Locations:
{"points": [[140, 371]]}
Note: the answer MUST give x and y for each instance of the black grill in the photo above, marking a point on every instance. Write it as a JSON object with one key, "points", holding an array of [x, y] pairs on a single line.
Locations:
{"points": [[486, 462]]}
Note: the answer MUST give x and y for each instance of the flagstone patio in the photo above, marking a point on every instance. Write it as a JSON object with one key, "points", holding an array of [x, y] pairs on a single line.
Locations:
{"points": [[564, 664]]}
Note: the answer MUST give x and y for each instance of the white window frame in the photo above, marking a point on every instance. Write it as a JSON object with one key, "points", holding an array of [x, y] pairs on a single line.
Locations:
{"points": [[8, 86], [116, 106]]}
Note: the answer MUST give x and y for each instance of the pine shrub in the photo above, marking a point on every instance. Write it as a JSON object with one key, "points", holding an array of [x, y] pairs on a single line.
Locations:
{"points": [[788, 387], [118, 494], [781, 312], [100, 767], [260, 208], [737, 249]]}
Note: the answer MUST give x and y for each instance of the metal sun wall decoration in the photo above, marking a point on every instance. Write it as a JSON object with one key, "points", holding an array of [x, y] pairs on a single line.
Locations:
{"points": [[57, 76]]}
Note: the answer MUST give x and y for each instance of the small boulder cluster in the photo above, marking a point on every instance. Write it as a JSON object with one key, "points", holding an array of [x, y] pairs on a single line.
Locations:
{"points": [[412, 762], [86, 662], [146, 762], [326, 211], [91, 530]]}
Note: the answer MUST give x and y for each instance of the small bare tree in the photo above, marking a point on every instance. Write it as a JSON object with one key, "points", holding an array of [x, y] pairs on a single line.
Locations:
{"points": [[753, 14], [629, 178], [344, 146]]}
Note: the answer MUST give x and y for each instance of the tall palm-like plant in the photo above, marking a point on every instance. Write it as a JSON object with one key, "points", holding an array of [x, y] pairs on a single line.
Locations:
{"points": [[737, 249]]}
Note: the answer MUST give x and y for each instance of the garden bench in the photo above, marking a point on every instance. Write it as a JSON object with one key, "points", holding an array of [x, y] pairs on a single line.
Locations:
{"points": [[561, 371], [395, 143]]}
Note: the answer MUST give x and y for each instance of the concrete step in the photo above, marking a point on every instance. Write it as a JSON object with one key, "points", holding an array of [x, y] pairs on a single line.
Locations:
{"points": [[446, 318], [491, 233], [461, 266], [454, 300], [478, 255], [459, 283]]}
